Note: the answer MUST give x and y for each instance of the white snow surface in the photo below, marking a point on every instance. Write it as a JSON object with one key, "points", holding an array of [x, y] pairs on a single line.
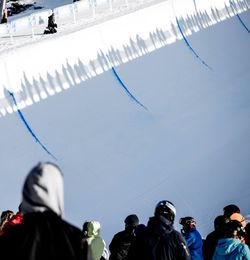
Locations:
{"points": [[190, 147]]}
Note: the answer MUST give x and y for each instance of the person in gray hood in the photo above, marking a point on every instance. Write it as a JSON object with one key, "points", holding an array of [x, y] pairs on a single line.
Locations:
{"points": [[231, 246], [43, 234]]}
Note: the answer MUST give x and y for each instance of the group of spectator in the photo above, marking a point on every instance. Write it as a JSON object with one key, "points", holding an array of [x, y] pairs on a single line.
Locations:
{"points": [[39, 232], [230, 239]]}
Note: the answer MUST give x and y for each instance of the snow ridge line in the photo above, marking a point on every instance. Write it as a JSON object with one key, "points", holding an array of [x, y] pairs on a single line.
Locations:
{"points": [[185, 39], [243, 24], [116, 75], [28, 127], [126, 89], [190, 47], [238, 16]]}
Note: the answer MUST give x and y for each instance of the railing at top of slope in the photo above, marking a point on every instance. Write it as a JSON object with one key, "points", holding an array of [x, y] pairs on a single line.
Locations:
{"points": [[35, 87], [82, 12]]}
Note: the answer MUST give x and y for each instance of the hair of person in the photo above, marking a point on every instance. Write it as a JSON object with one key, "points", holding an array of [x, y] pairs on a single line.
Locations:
{"points": [[233, 228], [219, 222], [5, 217], [230, 209], [131, 220]]}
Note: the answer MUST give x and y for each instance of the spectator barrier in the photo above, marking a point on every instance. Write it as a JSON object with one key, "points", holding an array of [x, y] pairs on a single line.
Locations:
{"points": [[86, 10], [80, 10]]}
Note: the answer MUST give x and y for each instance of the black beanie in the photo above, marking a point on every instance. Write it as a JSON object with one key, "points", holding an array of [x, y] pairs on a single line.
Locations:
{"points": [[230, 209], [131, 220]]}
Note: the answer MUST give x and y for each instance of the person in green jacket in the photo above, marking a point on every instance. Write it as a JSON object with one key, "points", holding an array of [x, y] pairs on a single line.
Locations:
{"points": [[93, 244]]}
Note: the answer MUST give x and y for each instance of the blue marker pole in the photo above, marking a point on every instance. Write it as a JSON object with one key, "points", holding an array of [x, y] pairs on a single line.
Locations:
{"points": [[28, 127]]}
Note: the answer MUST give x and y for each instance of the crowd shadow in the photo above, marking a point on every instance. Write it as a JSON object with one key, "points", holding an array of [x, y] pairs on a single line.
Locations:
{"points": [[70, 75]]}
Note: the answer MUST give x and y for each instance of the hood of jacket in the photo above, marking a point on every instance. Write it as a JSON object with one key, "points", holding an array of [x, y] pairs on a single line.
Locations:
{"points": [[43, 190], [226, 246], [93, 229], [159, 225]]}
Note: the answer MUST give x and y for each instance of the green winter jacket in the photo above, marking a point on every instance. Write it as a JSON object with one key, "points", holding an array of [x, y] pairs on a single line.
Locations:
{"points": [[93, 244]]}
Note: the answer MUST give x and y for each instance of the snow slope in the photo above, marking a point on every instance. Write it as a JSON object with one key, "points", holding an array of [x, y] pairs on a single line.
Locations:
{"points": [[191, 146]]}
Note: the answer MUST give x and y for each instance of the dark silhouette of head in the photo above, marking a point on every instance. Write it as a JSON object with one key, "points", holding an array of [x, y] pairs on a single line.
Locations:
{"points": [[188, 223], [219, 223], [140, 228], [166, 209], [233, 229], [230, 209], [131, 221], [247, 229], [5, 217]]}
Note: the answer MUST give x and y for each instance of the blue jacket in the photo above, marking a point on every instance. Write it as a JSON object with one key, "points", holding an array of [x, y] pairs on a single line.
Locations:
{"points": [[194, 243], [231, 249]]}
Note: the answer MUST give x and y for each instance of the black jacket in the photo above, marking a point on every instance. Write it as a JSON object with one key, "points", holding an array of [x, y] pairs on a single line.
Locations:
{"points": [[159, 241], [210, 243], [41, 236], [120, 244]]}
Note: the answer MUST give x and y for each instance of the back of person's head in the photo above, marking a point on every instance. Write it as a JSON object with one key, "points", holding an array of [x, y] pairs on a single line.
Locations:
{"points": [[91, 228], [188, 223], [20, 207], [230, 209], [166, 209], [92, 239], [131, 221], [247, 229], [43, 190], [85, 228], [140, 228], [219, 223], [7, 214], [233, 229], [5, 217], [238, 217]]}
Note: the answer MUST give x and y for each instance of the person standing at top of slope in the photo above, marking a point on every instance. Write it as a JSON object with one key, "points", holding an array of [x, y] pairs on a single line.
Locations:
{"points": [[120, 244], [159, 240], [43, 234], [51, 28], [192, 237]]}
